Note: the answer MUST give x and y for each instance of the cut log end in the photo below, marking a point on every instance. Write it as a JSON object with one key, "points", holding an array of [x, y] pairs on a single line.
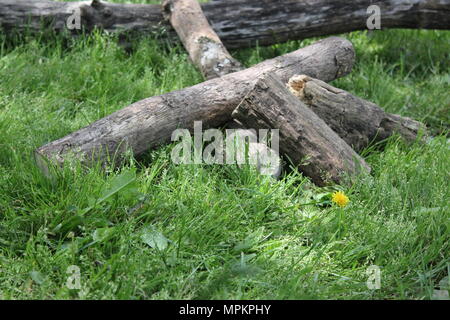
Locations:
{"points": [[201, 42], [359, 122]]}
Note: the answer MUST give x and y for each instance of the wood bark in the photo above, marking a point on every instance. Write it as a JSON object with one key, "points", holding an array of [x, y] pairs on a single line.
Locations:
{"points": [[238, 23], [211, 57], [201, 42], [305, 138], [357, 121], [150, 122], [191, 25]]}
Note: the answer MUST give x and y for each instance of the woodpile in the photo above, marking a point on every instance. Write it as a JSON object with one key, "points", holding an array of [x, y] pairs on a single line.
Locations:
{"points": [[322, 128]]}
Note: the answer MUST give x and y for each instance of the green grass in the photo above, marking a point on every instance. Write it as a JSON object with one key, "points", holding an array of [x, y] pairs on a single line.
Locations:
{"points": [[232, 234]]}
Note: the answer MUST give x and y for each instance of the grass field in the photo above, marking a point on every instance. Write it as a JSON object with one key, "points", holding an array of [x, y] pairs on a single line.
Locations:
{"points": [[155, 230]]}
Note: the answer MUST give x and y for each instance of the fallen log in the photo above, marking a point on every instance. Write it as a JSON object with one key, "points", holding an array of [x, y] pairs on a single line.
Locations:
{"points": [[305, 138], [150, 122], [201, 42], [238, 23], [357, 121]]}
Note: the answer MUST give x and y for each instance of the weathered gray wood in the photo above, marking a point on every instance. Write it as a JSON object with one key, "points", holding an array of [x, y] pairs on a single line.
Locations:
{"points": [[305, 138], [201, 42], [213, 60], [359, 122], [192, 27], [238, 23], [150, 122]]}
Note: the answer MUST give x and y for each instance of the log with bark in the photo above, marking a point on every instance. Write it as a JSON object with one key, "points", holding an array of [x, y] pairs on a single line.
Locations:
{"points": [[201, 42], [238, 23], [150, 122], [305, 138], [210, 56], [359, 122], [189, 21]]}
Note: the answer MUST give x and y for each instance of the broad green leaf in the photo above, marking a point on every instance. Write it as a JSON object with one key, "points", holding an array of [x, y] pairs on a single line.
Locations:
{"points": [[154, 239], [68, 225], [118, 183]]}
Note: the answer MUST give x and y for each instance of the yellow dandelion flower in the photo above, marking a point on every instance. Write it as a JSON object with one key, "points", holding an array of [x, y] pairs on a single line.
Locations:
{"points": [[340, 199]]}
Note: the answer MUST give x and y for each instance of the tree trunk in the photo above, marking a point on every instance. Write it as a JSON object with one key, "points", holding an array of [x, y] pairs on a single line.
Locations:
{"points": [[358, 122], [238, 23], [150, 122], [201, 42], [305, 138]]}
